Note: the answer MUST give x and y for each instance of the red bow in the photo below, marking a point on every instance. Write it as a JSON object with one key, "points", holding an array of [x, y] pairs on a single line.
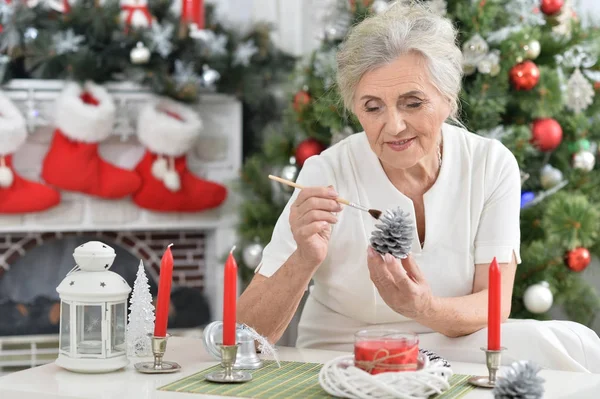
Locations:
{"points": [[131, 9]]}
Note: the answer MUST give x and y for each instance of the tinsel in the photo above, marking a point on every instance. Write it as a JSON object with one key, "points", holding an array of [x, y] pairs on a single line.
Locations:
{"points": [[520, 381], [394, 234]]}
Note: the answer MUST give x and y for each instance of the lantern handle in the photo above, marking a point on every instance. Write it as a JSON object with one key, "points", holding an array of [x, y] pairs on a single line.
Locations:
{"points": [[73, 270]]}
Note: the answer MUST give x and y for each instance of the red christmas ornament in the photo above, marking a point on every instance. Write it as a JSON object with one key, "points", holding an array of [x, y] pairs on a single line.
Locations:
{"points": [[546, 134], [301, 100], [307, 149], [551, 7], [578, 259], [525, 76]]}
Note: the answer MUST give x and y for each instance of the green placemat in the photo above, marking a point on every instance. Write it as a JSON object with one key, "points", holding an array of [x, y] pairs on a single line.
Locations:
{"points": [[294, 380]]}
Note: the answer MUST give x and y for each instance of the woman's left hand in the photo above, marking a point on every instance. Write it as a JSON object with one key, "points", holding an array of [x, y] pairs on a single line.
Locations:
{"points": [[400, 283]]}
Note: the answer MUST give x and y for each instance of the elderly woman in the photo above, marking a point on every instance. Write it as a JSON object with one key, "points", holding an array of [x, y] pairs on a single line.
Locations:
{"points": [[400, 73]]}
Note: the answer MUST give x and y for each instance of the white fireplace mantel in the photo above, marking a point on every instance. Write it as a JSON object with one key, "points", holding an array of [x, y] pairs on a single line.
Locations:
{"points": [[217, 156]]}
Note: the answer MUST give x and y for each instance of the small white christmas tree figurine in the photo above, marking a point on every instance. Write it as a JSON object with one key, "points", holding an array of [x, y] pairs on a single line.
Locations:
{"points": [[141, 316]]}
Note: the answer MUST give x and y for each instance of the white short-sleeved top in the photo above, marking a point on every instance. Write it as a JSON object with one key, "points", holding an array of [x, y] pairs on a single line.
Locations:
{"points": [[471, 216]]}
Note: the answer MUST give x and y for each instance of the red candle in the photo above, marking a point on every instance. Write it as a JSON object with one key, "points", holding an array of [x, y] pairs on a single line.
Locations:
{"points": [[494, 306], [198, 15], [379, 351], [187, 7], [229, 300], [164, 293]]}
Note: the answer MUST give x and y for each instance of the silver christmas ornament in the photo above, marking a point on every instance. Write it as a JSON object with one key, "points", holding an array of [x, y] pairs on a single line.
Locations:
{"points": [[289, 172], [532, 49], [489, 62], [252, 255], [580, 92], [584, 160], [209, 77], [394, 233], [140, 54], [550, 176], [469, 69], [538, 298], [379, 6], [475, 49], [520, 381]]}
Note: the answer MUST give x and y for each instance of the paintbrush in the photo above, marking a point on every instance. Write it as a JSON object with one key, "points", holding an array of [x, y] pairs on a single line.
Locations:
{"points": [[373, 212]]}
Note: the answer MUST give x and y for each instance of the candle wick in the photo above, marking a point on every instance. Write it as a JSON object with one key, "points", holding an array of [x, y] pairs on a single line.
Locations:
{"points": [[232, 249], [170, 245]]}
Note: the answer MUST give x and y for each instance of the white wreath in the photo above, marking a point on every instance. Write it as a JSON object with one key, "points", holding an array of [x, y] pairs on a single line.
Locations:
{"points": [[339, 377]]}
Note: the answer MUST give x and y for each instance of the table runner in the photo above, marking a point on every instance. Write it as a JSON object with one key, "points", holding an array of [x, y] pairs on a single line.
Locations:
{"points": [[294, 380]]}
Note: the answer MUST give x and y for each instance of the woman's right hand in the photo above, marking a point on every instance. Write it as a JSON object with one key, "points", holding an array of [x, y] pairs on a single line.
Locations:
{"points": [[311, 218]]}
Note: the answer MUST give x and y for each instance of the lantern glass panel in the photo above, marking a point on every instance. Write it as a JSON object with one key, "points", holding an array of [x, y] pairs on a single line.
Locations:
{"points": [[89, 329], [118, 323], [65, 327]]}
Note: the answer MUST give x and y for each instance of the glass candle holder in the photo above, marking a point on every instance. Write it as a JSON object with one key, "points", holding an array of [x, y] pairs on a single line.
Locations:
{"points": [[380, 351]]}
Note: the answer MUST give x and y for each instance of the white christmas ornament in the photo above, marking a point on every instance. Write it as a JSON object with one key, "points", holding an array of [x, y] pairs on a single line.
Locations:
{"points": [[252, 255], [584, 160], [6, 176], [533, 49], [475, 49], [490, 63], [379, 6], [550, 176], [140, 54], [580, 92], [538, 298], [141, 316]]}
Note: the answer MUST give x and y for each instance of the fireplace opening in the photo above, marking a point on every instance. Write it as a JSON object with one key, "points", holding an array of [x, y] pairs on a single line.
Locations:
{"points": [[30, 305]]}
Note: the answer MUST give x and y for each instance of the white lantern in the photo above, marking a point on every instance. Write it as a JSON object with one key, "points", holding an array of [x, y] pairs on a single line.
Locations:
{"points": [[93, 313]]}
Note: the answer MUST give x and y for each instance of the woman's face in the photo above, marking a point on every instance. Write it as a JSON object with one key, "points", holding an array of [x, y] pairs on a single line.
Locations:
{"points": [[401, 111]]}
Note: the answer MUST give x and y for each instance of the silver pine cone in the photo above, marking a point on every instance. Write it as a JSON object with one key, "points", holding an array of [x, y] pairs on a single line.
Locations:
{"points": [[394, 234], [520, 381]]}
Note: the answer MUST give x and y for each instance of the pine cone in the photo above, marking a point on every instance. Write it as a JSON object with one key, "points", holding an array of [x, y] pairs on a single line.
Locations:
{"points": [[434, 358], [520, 381], [394, 234]]}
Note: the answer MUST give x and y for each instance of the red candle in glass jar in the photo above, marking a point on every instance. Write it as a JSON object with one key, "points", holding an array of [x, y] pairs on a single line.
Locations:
{"points": [[380, 351]]}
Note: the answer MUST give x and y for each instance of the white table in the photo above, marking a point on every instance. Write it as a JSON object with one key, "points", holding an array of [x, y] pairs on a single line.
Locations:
{"points": [[52, 382]]}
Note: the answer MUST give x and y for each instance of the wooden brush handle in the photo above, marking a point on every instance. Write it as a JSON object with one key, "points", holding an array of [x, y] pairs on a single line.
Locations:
{"points": [[298, 186]]}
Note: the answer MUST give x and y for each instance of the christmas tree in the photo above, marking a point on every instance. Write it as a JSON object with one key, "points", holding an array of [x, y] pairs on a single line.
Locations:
{"points": [[149, 44], [531, 75], [141, 316]]}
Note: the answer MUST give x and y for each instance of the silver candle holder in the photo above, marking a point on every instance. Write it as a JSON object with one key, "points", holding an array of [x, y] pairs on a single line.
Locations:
{"points": [[493, 360], [158, 366], [228, 374]]}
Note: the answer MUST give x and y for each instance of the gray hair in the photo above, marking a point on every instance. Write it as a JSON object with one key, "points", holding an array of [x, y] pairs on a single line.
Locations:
{"points": [[382, 38]]}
